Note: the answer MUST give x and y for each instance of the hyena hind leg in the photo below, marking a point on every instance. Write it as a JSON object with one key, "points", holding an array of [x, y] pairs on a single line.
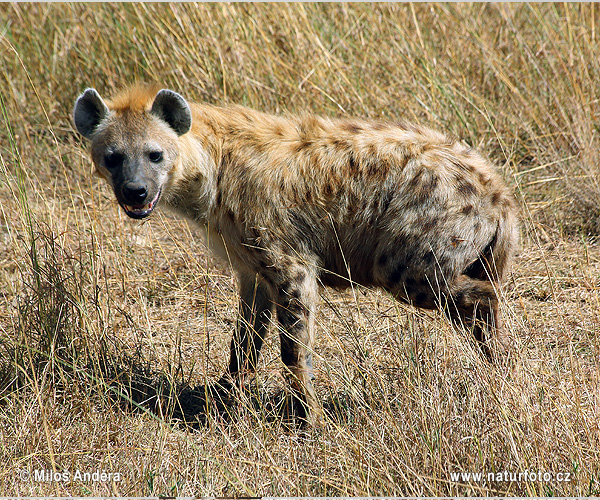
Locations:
{"points": [[473, 304]]}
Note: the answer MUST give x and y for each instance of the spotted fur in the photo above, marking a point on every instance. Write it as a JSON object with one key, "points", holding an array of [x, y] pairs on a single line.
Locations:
{"points": [[295, 202]]}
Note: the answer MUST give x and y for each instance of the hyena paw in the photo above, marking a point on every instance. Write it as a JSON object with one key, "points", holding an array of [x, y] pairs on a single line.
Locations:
{"points": [[299, 411]]}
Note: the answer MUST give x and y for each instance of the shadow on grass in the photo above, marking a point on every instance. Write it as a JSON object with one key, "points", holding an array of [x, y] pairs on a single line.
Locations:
{"points": [[193, 407], [55, 346]]}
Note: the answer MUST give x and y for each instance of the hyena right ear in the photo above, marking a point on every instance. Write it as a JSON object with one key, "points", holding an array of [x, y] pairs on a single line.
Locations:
{"points": [[89, 111], [174, 109]]}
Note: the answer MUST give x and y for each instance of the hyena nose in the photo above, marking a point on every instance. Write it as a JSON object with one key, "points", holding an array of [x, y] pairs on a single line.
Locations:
{"points": [[135, 193]]}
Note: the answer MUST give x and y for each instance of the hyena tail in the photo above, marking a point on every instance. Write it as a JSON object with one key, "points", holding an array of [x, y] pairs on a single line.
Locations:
{"points": [[493, 261]]}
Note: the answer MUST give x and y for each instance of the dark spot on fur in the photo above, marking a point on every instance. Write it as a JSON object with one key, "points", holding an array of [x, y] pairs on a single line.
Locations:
{"points": [[380, 126], [383, 258], [372, 151], [415, 182], [378, 168], [455, 241], [430, 223], [465, 188], [301, 145], [352, 128], [428, 257], [371, 168], [386, 200], [430, 184], [259, 146], [397, 273], [423, 186], [299, 277], [496, 196], [308, 195], [337, 143], [506, 204], [467, 209], [353, 164]]}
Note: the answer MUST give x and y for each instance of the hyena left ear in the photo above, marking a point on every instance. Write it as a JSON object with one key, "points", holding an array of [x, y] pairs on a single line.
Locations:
{"points": [[89, 111], [173, 108]]}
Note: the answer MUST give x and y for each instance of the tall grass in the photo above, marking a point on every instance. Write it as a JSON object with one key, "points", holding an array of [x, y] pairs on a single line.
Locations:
{"points": [[111, 332]]}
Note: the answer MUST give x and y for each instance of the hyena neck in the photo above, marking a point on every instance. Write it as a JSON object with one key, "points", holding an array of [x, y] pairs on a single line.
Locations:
{"points": [[192, 188]]}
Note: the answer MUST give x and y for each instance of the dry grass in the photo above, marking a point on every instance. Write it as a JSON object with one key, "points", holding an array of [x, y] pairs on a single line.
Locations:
{"points": [[101, 318]]}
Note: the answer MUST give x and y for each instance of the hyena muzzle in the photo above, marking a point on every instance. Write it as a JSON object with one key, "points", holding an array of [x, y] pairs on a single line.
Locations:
{"points": [[295, 202]]}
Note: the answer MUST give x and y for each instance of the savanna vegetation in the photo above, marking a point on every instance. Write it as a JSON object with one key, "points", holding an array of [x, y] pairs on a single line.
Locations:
{"points": [[112, 331]]}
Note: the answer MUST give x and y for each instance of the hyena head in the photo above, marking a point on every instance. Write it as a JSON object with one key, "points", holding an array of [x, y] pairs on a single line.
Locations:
{"points": [[134, 142]]}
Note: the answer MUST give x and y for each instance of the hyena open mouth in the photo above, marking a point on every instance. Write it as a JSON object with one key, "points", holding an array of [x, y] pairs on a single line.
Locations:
{"points": [[141, 211]]}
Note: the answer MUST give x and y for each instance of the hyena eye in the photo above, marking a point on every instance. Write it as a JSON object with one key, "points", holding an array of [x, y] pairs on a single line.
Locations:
{"points": [[155, 156], [113, 160]]}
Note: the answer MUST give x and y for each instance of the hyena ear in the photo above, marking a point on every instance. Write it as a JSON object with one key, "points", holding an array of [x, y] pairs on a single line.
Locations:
{"points": [[89, 111], [173, 108]]}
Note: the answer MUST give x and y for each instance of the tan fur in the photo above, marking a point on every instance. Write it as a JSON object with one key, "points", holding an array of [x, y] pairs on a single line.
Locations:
{"points": [[299, 201], [138, 97]]}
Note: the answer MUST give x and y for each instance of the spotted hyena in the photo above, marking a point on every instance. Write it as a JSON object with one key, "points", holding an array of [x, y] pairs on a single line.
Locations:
{"points": [[295, 202]]}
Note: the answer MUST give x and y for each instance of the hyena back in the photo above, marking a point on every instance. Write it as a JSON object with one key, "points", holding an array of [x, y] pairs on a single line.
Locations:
{"points": [[294, 202]]}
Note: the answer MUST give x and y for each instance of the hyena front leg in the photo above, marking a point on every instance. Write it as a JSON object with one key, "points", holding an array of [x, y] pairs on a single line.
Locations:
{"points": [[253, 321], [296, 300]]}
